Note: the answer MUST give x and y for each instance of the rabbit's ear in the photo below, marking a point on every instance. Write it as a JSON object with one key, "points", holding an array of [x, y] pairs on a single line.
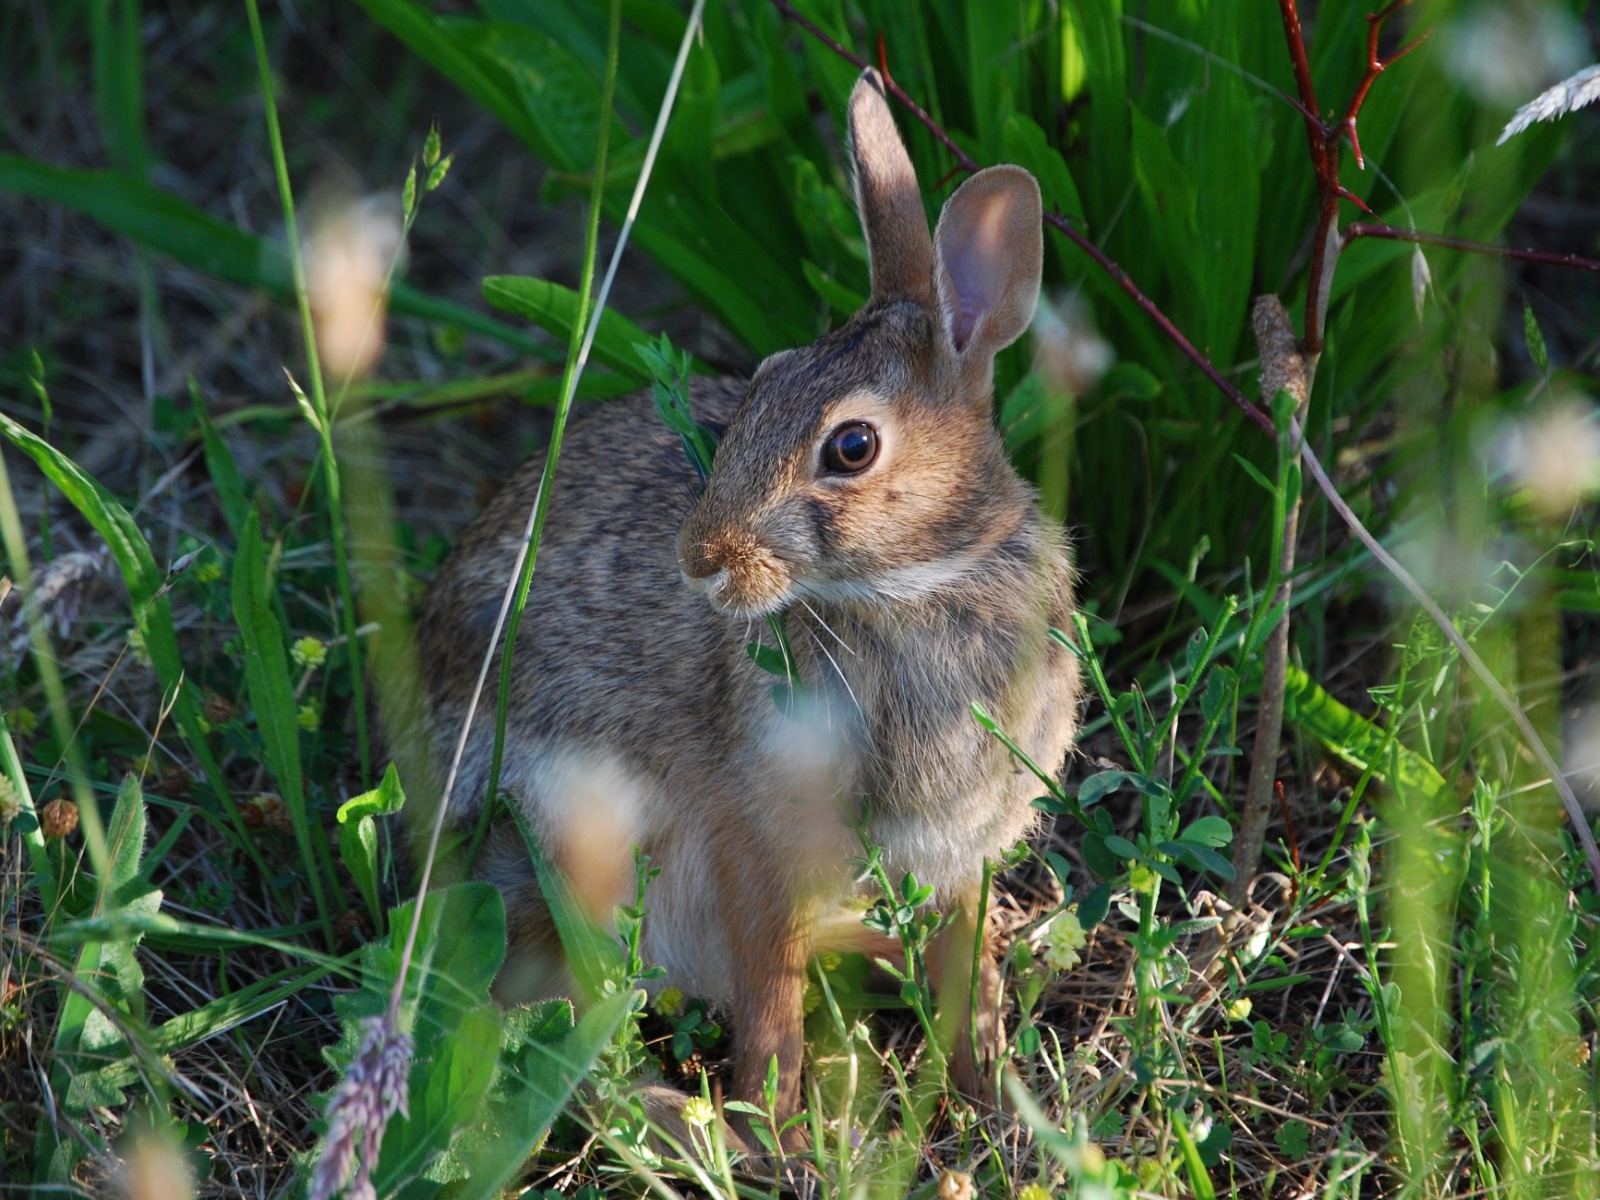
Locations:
{"points": [[990, 251], [898, 246]]}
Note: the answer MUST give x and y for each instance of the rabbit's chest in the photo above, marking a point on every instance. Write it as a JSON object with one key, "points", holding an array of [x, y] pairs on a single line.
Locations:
{"points": [[943, 793]]}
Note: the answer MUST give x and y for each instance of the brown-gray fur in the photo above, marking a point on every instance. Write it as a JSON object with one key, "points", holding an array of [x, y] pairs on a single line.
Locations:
{"points": [[909, 590]]}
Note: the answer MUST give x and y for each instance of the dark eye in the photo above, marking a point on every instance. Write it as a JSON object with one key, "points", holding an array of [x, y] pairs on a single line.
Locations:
{"points": [[850, 448]]}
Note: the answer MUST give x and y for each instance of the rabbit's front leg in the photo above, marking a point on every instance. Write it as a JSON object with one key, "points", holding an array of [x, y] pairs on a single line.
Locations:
{"points": [[771, 944], [962, 1024]]}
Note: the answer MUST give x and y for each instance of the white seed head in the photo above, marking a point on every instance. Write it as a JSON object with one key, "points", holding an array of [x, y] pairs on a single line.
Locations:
{"points": [[1554, 455], [349, 255], [1069, 352]]}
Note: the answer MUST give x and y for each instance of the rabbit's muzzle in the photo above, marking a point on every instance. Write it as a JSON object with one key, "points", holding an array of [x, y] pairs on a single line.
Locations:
{"points": [[736, 572]]}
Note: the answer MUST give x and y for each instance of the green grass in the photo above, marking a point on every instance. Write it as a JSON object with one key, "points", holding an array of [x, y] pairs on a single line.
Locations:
{"points": [[1405, 1003]]}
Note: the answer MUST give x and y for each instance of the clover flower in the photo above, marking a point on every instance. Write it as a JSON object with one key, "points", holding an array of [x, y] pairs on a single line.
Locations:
{"points": [[1063, 940], [308, 652]]}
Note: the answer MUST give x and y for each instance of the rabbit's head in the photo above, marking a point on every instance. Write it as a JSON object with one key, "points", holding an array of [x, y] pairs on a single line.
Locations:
{"points": [[866, 468]]}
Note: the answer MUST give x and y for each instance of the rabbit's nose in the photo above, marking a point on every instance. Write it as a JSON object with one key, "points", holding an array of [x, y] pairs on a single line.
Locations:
{"points": [[701, 560]]}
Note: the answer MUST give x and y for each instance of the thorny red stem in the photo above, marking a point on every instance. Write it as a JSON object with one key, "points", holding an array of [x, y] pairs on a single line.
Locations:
{"points": [[1393, 233], [1323, 139], [1316, 131], [1375, 67]]}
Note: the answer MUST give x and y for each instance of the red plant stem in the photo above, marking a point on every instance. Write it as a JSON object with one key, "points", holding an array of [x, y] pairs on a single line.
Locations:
{"points": [[1316, 131], [1148, 306], [1288, 824], [1375, 229], [1323, 140]]}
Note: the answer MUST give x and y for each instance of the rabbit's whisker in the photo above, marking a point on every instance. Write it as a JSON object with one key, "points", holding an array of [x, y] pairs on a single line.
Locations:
{"points": [[836, 670], [818, 617]]}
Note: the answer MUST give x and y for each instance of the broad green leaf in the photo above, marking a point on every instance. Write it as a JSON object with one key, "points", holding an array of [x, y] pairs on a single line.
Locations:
{"points": [[532, 1093], [1025, 144], [1131, 380], [841, 299], [990, 38], [1169, 201], [560, 99], [1098, 25], [445, 46], [460, 946], [446, 1089], [1121, 847], [1202, 857], [1097, 787], [1209, 830], [1221, 153], [1095, 904], [537, 385], [769, 658]]}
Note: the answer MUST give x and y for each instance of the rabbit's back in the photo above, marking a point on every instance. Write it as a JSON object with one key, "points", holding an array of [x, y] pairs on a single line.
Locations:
{"points": [[612, 641]]}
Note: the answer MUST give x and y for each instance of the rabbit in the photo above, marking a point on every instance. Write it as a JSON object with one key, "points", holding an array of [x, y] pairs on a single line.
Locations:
{"points": [[862, 494]]}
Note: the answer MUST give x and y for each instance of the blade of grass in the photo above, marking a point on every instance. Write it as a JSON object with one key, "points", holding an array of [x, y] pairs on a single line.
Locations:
{"points": [[32, 837], [562, 312], [266, 668], [319, 400]]}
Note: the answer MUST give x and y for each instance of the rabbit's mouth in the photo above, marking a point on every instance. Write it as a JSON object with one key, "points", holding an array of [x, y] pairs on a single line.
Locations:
{"points": [[752, 585]]}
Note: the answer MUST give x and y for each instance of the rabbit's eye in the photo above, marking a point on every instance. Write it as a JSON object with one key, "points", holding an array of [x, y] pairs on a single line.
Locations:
{"points": [[850, 448]]}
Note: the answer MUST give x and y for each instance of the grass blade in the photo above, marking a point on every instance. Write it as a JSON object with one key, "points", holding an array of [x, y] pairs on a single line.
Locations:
{"points": [[266, 668]]}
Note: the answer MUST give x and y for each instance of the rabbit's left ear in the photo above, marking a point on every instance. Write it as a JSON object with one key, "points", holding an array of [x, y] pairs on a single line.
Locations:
{"points": [[898, 247], [990, 249]]}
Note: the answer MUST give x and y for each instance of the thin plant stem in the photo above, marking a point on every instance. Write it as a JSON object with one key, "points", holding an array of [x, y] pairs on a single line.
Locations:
{"points": [[558, 429], [319, 399], [1377, 229], [536, 516]]}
